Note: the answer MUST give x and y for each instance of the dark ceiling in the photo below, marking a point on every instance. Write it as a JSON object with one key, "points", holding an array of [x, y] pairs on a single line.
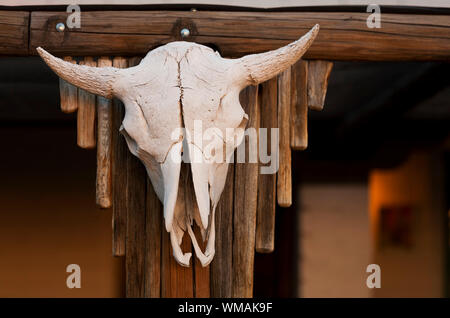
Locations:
{"points": [[370, 106]]}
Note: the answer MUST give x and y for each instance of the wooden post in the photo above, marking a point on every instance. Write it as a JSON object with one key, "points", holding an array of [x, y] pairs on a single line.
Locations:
{"points": [[68, 93], [299, 106], [86, 113], [284, 180], [267, 187], [119, 175], [318, 75], [245, 204], [104, 135]]}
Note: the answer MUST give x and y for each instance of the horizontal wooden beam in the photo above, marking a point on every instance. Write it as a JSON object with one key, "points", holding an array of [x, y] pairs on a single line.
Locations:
{"points": [[343, 36], [14, 32]]}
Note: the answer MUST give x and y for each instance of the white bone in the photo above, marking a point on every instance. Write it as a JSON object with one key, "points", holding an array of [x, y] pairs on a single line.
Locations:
{"points": [[172, 88]]}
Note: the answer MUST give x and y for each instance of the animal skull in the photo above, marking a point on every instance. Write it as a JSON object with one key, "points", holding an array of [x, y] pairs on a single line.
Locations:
{"points": [[174, 86]]}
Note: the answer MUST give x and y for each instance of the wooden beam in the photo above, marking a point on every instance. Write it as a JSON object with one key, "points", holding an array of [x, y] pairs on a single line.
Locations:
{"points": [[245, 204], [14, 26], [318, 75], [299, 105], [284, 176], [343, 35], [267, 183]]}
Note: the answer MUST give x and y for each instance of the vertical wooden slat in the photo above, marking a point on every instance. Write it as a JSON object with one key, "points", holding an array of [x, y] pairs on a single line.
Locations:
{"points": [[299, 105], [284, 182], [221, 266], [68, 92], [119, 175], [267, 185], [318, 75], [245, 203], [154, 221], [136, 227], [86, 113], [104, 134], [201, 274], [136, 239], [176, 280]]}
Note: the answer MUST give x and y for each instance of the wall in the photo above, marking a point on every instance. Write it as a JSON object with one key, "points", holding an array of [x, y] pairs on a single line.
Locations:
{"points": [[334, 240], [48, 217], [417, 271]]}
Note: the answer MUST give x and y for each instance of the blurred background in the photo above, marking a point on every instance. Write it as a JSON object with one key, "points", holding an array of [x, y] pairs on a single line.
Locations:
{"points": [[372, 188]]}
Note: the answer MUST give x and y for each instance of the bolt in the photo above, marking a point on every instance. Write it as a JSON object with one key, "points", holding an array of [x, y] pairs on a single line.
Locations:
{"points": [[60, 27], [185, 33]]}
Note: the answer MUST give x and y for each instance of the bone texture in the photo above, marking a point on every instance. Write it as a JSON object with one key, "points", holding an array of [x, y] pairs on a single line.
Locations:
{"points": [[68, 93], [175, 89], [86, 113]]}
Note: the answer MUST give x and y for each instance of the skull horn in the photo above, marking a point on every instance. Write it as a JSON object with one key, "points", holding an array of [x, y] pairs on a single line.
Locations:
{"points": [[96, 80], [261, 67]]}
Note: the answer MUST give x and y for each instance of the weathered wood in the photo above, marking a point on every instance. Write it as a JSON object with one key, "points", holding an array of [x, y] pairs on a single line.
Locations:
{"points": [[135, 255], [154, 225], [104, 134], [119, 175], [267, 183], [299, 105], [68, 93], [318, 75], [245, 204], [202, 287], [284, 178], [14, 26], [86, 113], [176, 280], [343, 35], [221, 266]]}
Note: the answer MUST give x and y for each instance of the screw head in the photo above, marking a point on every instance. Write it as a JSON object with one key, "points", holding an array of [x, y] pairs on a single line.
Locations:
{"points": [[185, 33], [60, 27], [193, 10]]}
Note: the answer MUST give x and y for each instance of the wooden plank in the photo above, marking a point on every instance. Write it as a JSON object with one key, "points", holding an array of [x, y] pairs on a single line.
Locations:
{"points": [[245, 204], [176, 280], [68, 92], [267, 185], [221, 266], [14, 26], [318, 75], [135, 255], [201, 274], [119, 175], [284, 177], [104, 134], [299, 105], [86, 113], [154, 225], [343, 35]]}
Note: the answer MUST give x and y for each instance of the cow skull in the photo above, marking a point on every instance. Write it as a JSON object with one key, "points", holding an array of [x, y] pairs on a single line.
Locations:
{"points": [[174, 86]]}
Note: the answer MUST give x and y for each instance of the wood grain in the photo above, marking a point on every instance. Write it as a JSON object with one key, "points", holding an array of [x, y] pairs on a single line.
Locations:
{"points": [[68, 93], [104, 135], [135, 255], [221, 266], [284, 177], [119, 172], [267, 183], [318, 75], [14, 26], [245, 204], [343, 35], [154, 219], [176, 280], [299, 105], [86, 113]]}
